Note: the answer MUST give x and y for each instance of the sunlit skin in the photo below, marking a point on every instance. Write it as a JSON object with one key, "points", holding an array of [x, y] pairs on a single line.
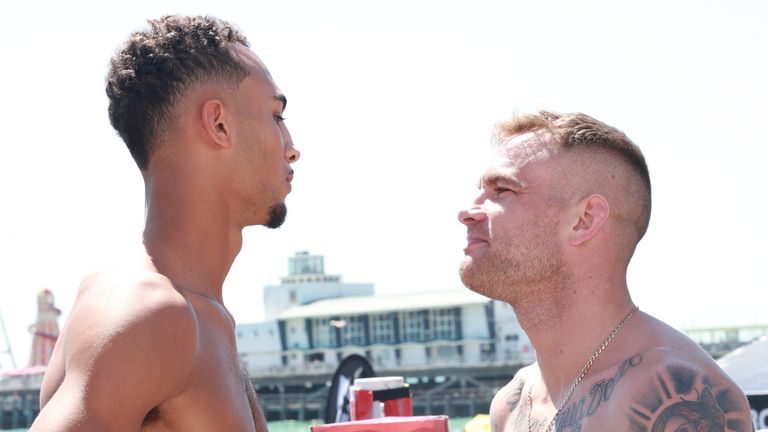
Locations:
{"points": [[503, 241], [151, 347], [551, 241]]}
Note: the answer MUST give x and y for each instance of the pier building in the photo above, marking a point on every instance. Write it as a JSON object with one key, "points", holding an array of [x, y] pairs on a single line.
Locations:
{"points": [[455, 347], [316, 321]]}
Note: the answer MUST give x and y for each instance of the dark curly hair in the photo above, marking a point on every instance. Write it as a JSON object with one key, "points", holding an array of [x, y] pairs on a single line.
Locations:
{"points": [[157, 65]]}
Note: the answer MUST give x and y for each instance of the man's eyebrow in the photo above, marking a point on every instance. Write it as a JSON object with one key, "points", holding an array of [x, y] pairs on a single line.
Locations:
{"points": [[282, 98], [496, 178]]}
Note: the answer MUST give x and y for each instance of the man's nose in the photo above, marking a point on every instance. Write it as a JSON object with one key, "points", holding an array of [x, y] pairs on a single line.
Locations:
{"points": [[471, 215], [292, 154]]}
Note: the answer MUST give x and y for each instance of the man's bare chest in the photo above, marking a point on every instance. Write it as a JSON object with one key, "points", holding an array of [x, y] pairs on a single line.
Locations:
{"points": [[215, 394], [215, 397]]}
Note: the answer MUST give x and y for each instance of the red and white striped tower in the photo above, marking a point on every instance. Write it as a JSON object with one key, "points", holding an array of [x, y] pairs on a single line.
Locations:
{"points": [[45, 329]]}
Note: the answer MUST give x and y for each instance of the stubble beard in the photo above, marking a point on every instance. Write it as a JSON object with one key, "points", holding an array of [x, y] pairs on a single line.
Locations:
{"points": [[277, 215], [517, 273]]}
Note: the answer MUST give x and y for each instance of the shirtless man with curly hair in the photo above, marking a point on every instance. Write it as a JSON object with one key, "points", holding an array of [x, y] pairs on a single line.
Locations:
{"points": [[151, 347]]}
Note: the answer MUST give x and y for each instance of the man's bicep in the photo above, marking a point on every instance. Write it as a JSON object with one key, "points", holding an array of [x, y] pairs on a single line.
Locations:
{"points": [[681, 397], [67, 410], [118, 368]]}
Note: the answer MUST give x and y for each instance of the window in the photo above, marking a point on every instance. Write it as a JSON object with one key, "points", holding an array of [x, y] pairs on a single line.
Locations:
{"points": [[323, 334], [412, 326], [446, 352], [382, 329], [353, 333], [444, 323], [487, 352], [315, 357]]}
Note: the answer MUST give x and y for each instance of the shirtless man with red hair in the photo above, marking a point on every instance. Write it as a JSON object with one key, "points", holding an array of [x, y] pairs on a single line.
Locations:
{"points": [[551, 232]]}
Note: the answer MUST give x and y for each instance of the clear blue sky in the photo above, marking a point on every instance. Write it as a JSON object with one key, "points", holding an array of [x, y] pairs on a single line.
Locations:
{"points": [[391, 104]]}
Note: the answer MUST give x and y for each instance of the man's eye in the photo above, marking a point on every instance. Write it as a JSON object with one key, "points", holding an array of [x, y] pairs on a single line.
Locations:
{"points": [[279, 117]]}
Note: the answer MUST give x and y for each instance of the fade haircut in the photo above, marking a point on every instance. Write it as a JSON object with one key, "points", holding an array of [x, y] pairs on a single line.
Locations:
{"points": [[156, 66], [580, 131]]}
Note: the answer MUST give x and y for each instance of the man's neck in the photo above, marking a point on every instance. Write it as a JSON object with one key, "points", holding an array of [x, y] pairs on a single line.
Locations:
{"points": [[194, 247], [566, 329]]}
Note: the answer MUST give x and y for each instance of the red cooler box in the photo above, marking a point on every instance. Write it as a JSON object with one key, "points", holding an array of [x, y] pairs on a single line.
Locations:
{"points": [[379, 397], [388, 424]]}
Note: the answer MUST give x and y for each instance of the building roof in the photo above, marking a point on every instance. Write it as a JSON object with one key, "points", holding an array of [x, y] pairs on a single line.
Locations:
{"points": [[355, 305]]}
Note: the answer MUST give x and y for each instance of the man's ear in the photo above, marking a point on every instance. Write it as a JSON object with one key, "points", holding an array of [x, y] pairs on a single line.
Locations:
{"points": [[216, 123], [592, 213]]}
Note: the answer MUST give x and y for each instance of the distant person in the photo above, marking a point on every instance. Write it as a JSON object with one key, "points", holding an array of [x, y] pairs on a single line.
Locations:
{"points": [[552, 231], [153, 347]]}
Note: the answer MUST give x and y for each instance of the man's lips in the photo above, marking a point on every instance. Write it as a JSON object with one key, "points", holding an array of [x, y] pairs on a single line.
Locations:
{"points": [[288, 180], [473, 243]]}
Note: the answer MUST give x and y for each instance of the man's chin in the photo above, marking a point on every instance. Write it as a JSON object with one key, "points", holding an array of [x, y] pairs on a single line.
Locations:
{"points": [[277, 214], [473, 277], [466, 273]]}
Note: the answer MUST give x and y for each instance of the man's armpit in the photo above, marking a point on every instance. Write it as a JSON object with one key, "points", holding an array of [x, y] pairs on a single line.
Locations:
{"points": [[681, 399]]}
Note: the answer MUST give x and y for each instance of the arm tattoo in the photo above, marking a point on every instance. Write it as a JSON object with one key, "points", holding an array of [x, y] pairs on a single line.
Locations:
{"points": [[682, 400]]}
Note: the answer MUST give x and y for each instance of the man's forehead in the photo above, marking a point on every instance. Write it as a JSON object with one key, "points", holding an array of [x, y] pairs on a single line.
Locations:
{"points": [[520, 150], [251, 61], [513, 155], [258, 74]]}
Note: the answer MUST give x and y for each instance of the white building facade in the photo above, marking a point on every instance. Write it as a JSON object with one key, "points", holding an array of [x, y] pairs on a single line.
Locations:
{"points": [[317, 321]]}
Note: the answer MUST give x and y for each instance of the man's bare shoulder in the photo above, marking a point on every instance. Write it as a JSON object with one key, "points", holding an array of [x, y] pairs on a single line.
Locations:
{"points": [[512, 391], [111, 307], [133, 331], [671, 388], [506, 404], [132, 282], [660, 381]]}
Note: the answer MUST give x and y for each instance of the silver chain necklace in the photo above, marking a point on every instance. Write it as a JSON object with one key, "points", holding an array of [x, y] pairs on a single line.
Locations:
{"points": [[583, 373]]}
